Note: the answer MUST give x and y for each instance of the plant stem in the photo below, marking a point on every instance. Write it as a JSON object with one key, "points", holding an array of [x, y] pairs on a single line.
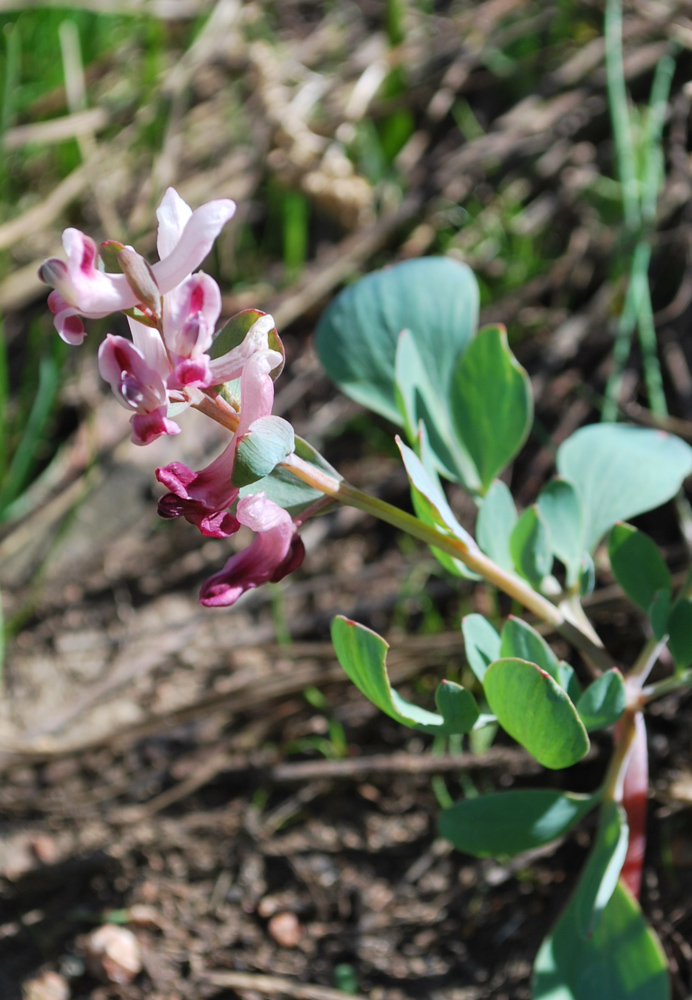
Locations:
{"points": [[217, 408], [469, 554], [615, 775], [644, 664], [674, 683]]}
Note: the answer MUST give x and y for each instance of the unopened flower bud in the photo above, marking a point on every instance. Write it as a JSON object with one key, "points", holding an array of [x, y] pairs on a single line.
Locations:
{"points": [[109, 252], [141, 280]]}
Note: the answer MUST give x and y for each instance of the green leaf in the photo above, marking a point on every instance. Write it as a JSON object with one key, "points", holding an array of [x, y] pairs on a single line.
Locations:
{"points": [[568, 681], [431, 507], [363, 655], [458, 708], [521, 642], [560, 508], [507, 823], [637, 565], [680, 632], [600, 876], [603, 702], [659, 612], [436, 298], [429, 498], [287, 490], [481, 643], [530, 547], [233, 333], [601, 948], [268, 442], [622, 960], [536, 712], [418, 401], [622, 471], [496, 520], [491, 403]]}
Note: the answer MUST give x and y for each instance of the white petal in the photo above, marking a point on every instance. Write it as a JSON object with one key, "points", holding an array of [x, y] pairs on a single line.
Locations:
{"points": [[195, 242], [173, 214]]}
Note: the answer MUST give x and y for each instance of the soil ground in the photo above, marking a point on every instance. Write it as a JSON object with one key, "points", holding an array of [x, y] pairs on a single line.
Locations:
{"points": [[209, 779]]}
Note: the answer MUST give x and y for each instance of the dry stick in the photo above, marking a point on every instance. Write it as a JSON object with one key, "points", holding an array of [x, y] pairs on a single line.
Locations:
{"points": [[272, 986], [172, 10], [76, 93], [45, 212], [349, 769], [56, 129]]}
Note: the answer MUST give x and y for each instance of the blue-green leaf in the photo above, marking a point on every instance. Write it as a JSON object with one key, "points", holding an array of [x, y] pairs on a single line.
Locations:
{"points": [[603, 702], [436, 298], [680, 632], [622, 471], [496, 520], [638, 565], [522, 642], [419, 401], [491, 402], [363, 655], [481, 643], [536, 712], [622, 960], [600, 876], [287, 490], [560, 508], [507, 823], [431, 507], [530, 547]]}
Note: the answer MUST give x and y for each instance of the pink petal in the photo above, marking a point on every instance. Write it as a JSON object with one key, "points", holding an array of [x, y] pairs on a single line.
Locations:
{"points": [[89, 290], [146, 427], [199, 296], [66, 321], [275, 552], [201, 497], [256, 389], [230, 365], [136, 385]]}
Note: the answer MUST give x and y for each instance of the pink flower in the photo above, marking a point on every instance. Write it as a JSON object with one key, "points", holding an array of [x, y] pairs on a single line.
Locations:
{"points": [[203, 497], [276, 551], [67, 321], [230, 365], [184, 240], [190, 314], [137, 387]]}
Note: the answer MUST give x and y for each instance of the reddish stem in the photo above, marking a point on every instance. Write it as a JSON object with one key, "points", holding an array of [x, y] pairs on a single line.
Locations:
{"points": [[634, 800]]}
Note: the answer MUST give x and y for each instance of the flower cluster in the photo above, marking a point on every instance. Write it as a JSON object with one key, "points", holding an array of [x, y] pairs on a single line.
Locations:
{"points": [[172, 314]]}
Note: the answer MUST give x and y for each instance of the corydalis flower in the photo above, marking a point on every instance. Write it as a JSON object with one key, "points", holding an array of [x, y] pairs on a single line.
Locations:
{"points": [[276, 551], [203, 497], [83, 289], [137, 387]]}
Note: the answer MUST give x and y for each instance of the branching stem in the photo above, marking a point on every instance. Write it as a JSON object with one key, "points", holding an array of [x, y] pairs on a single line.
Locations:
{"points": [[467, 553]]}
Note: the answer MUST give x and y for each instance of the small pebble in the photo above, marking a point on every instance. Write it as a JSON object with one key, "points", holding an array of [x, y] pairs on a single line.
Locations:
{"points": [[48, 986], [285, 929], [113, 954]]}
